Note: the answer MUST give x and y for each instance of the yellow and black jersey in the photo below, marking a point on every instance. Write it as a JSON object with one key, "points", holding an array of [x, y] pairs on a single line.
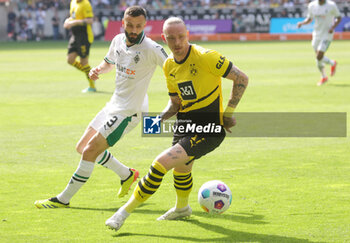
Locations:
{"points": [[81, 10], [197, 82]]}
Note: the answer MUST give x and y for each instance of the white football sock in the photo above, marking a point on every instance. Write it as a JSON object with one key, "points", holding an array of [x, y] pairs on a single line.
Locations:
{"points": [[123, 212], [326, 60], [80, 176], [320, 66], [107, 160]]}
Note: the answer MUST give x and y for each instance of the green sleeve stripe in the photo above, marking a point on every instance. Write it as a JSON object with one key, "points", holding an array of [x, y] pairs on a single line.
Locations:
{"points": [[109, 61], [81, 177]]}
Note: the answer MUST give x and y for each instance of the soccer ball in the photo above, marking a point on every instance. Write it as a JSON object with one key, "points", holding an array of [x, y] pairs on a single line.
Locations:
{"points": [[214, 197]]}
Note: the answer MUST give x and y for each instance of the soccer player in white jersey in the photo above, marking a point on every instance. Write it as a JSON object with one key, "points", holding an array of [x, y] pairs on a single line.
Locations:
{"points": [[327, 17], [135, 57]]}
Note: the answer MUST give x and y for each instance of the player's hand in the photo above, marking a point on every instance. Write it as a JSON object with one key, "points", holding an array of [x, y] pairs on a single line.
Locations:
{"points": [[299, 24], [94, 72], [229, 122], [330, 31]]}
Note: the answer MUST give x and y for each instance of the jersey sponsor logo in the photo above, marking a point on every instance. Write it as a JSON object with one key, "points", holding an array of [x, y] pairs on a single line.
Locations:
{"points": [[220, 62], [128, 71], [193, 69], [187, 90]]}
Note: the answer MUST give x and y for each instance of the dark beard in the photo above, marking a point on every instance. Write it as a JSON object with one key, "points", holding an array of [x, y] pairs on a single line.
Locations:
{"points": [[134, 40]]}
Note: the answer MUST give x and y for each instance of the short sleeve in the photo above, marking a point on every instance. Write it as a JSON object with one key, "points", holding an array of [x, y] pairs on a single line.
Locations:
{"points": [[217, 63], [309, 14], [336, 11], [111, 54], [88, 13], [170, 84], [160, 55]]}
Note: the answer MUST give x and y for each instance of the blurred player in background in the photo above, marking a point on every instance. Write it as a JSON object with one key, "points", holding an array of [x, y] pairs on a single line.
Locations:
{"points": [[135, 58], [193, 76], [80, 21], [327, 17]]}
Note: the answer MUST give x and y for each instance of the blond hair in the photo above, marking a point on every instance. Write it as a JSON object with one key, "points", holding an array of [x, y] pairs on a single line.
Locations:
{"points": [[172, 20]]}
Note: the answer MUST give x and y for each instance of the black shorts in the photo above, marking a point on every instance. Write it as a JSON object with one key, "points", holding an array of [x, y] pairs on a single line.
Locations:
{"points": [[80, 45], [198, 145]]}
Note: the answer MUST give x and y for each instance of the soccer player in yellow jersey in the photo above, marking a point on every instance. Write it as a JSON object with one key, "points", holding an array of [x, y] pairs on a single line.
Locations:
{"points": [[193, 77], [80, 21]]}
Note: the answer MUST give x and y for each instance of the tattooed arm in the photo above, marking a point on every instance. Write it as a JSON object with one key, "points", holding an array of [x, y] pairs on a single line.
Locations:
{"points": [[240, 82], [172, 108]]}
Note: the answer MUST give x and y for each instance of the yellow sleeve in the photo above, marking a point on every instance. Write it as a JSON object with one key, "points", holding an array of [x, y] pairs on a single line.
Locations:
{"points": [[71, 9], [217, 63], [169, 81], [88, 13]]}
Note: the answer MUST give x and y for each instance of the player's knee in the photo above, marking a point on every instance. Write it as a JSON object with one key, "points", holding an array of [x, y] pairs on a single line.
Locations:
{"points": [[70, 61], [319, 56], [90, 152], [79, 147]]}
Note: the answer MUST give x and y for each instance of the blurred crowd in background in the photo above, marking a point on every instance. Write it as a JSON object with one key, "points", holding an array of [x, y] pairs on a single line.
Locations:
{"points": [[27, 18]]}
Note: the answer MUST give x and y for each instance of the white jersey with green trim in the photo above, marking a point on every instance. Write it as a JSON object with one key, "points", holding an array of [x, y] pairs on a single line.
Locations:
{"points": [[135, 66], [324, 18]]}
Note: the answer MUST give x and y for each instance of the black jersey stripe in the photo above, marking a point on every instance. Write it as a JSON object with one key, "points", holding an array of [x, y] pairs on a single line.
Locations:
{"points": [[201, 99], [172, 94], [184, 60], [228, 70]]}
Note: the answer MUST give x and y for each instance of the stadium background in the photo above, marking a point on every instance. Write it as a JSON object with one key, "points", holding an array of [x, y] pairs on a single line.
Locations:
{"points": [[285, 190], [19, 18]]}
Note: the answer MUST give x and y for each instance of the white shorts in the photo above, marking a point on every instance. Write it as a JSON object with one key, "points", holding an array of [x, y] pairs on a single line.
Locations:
{"points": [[113, 127], [320, 44]]}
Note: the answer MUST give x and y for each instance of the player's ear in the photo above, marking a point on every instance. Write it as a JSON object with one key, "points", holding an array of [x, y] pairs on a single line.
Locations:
{"points": [[123, 23], [163, 37], [188, 34]]}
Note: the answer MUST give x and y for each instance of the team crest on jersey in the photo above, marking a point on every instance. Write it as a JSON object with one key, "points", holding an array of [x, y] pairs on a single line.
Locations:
{"points": [[137, 58], [193, 69]]}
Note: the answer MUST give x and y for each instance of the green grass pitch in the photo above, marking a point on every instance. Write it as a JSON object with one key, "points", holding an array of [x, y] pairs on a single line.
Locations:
{"points": [[284, 189]]}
